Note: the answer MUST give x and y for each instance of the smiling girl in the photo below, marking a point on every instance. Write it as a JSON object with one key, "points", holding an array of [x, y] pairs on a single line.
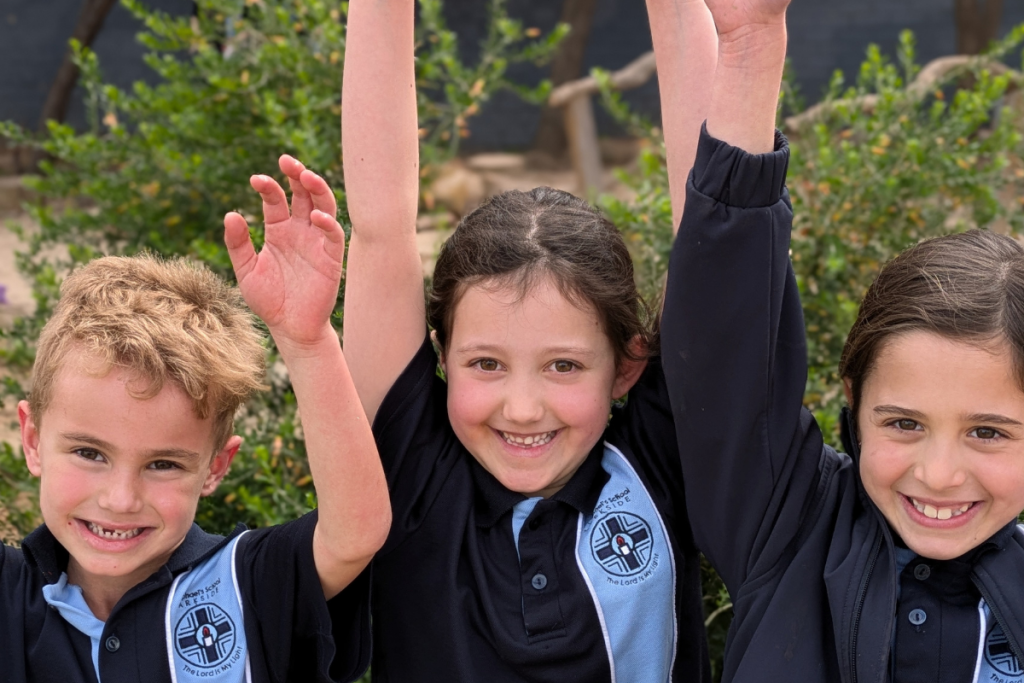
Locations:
{"points": [[901, 561], [540, 534]]}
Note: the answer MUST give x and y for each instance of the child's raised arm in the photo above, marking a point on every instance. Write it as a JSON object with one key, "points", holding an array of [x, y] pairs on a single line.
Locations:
{"points": [[384, 307], [732, 330], [686, 48], [751, 58], [292, 285]]}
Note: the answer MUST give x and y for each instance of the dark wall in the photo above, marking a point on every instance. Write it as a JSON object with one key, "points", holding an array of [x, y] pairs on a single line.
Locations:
{"points": [[824, 35], [33, 39]]}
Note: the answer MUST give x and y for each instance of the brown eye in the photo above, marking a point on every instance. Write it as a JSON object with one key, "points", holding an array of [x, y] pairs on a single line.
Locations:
{"points": [[906, 425], [488, 365], [563, 366], [986, 433]]}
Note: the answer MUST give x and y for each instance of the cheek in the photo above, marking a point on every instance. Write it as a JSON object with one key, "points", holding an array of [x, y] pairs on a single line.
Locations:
{"points": [[470, 403], [582, 406], [883, 465], [1002, 478]]}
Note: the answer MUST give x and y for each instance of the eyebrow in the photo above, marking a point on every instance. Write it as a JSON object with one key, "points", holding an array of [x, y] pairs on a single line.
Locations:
{"points": [[177, 453], [553, 350], [987, 418]]}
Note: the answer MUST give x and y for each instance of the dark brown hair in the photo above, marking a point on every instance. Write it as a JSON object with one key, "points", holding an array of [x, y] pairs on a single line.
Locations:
{"points": [[516, 238], [966, 287]]}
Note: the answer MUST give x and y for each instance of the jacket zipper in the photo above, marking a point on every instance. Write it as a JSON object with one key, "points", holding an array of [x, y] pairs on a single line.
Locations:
{"points": [[995, 613], [859, 607]]}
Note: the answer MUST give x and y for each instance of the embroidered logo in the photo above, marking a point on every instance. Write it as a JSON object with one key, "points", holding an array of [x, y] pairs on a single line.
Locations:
{"points": [[621, 543], [204, 636], [999, 655]]}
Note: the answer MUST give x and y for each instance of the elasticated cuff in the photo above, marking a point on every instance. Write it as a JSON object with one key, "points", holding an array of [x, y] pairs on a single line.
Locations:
{"points": [[737, 178]]}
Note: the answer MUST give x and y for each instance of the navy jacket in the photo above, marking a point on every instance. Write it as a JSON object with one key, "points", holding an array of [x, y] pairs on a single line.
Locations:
{"points": [[808, 559], [293, 633]]}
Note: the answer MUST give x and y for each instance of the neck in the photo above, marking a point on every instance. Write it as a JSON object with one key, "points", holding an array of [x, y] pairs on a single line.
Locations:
{"points": [[101, 593]]}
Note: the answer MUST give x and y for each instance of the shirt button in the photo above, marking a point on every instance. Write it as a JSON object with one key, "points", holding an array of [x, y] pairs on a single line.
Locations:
{"points": [[922, 572], [535, 523], [539, 581], [113, 644], [917, 617]]}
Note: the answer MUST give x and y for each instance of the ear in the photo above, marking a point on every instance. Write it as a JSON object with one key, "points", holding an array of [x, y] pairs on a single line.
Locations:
{"points": [[629, 371], [848, 390], [440, 351], [220, 464], [29, 439]]}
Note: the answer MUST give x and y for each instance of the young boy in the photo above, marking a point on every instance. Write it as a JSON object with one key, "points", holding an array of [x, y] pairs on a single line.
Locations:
{"points": [[137, 379]]}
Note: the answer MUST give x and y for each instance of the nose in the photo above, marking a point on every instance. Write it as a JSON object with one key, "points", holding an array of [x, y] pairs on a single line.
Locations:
{"points": [[121, 494], [523, 401], [941, 466]]}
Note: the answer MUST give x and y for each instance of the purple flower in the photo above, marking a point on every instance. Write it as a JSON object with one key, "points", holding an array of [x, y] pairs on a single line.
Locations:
{"points": [[3, 295]]}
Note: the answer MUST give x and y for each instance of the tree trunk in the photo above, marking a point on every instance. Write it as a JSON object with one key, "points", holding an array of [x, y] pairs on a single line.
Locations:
{"points": [[567, 65], [90, 21], [977, 24]]}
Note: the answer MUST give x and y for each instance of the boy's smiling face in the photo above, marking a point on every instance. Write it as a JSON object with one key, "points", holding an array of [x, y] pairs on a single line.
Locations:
{"points": [[941, 425], [120, 477]]}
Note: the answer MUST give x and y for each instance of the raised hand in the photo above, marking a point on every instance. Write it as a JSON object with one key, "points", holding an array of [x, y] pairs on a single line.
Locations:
{"points": [[733, 18], [292, 284]]}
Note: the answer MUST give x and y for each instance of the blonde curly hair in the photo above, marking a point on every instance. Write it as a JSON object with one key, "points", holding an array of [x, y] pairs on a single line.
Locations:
{"points": [[162, 320]]}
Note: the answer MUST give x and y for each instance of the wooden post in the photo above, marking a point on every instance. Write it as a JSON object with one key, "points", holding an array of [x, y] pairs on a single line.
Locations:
{"points": [[581, 130]]}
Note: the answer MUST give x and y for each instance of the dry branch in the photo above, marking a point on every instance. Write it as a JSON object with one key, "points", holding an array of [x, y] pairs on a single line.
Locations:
{"points": [[633, 75], [932, 75]]}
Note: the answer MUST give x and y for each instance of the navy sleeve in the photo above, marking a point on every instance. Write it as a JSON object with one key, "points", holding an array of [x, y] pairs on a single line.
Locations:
{"points": [[295, 634], [417, 445], [735, 361]]}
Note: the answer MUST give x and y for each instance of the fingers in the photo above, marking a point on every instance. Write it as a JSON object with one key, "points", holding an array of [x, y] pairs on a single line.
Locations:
{"points": [[275, 204], [240, 249], [334, 236], [301, 203], [323, 198]]}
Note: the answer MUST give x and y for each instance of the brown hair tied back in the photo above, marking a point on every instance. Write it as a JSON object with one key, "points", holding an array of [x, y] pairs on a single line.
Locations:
{"points": [[517, 238], [966, 287]]}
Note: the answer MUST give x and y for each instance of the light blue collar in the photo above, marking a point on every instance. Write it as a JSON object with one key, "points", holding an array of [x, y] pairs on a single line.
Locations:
{"points": [[68, 600]]}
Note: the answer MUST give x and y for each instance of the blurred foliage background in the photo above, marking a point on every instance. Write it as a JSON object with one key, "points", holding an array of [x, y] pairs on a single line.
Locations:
{"points": [[880, 164]]}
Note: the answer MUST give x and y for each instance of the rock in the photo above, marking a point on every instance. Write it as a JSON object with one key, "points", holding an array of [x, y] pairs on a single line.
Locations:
{"points": [[458, 188]]}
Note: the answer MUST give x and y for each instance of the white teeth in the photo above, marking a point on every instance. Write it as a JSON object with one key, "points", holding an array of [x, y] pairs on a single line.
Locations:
{"points": [[112, 533], [940, 513], [528, 441]]}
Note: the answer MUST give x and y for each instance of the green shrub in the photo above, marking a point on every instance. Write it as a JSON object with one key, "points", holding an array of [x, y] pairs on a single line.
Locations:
{"points": [[865, 183], [159, 166]]}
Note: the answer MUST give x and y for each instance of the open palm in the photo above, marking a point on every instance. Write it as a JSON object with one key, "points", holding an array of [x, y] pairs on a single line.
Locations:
{"points": [[731, 15], [292, 283]]}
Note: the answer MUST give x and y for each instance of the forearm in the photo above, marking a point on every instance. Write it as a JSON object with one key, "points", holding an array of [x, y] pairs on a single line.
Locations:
{"points": [[745, 94], [384, 307], [380, 144], [352, 495], [686, 47]]}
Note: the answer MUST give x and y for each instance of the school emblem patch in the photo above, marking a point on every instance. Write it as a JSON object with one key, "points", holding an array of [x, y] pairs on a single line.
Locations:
{"points": [[999, 655], [621, 543], [205, 636]]}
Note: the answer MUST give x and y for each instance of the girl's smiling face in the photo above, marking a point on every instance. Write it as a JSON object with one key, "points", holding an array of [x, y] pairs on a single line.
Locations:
{"points": [[530, 383], [941, 428]]}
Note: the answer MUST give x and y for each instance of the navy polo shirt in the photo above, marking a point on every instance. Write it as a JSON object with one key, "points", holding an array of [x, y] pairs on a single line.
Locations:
{"points": [[479, 583], [292, 633]]}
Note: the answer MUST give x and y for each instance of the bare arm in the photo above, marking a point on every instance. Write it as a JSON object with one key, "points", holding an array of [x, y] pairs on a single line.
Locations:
{"points": [[384, 309], [292, 285], [686, 47], [751, 58]]}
